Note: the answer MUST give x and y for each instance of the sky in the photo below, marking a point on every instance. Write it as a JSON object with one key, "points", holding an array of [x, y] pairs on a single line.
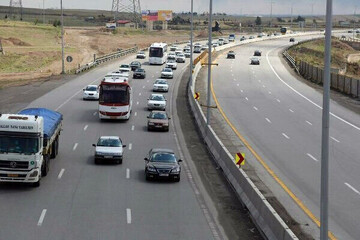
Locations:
{"points": [[251, 7]]}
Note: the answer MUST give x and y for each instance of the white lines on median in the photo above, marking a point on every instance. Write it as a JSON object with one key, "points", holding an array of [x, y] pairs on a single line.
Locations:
{"points": [[246, 99], [135, 114], [75, 146], [130, 146], [312, 157], [291, 110], [42, 216], [268, 120], [128, 216], [132, 128], [278, 100], [286, 136], [309, 123], [86, 127], [335, 139], [127, 173], [61, 173], [352, 188], [255, 108]]}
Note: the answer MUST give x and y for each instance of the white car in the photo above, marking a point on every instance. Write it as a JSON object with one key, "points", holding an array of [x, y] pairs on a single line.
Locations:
{"points": [[186, 48], [220, 41], [197, 44], [156, 102], [171, 64], [161, 85], [173, 48], [180, 58], [178, 51], [109, 148], [167, 73], [91, 92], [120, 73], [125, 67], [226, 41], [204, 47], [215, 44], [141, 55], [187, 53]]}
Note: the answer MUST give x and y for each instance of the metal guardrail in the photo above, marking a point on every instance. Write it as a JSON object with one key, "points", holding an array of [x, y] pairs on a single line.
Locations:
{"points": [[105, 58], [291, 61]]}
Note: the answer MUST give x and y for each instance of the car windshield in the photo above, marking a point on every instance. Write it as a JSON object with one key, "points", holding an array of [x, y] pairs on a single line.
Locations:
{"points": [[171, 61], [134, 63], [139, 70], [160, 82], [141, 52], [167, 70], [109, 142], [157, 97], [124, 66], [9, 144], [91, 88], [158, 115], [163, 157], [156, 52]]}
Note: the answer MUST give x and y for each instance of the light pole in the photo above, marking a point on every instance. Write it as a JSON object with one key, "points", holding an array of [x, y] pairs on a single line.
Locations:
{"points": [[191, 42], [291, 15], [62, 39], [324, 198], [271, 6], [354, 22], [43, 11], [209, 67]]}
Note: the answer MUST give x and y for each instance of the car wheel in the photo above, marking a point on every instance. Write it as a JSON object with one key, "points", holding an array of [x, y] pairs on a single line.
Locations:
{"points": [[177, 179]]}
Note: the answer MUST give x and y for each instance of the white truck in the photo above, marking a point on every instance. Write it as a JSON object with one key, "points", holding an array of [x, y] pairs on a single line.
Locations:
{"points": [[27, 142]]}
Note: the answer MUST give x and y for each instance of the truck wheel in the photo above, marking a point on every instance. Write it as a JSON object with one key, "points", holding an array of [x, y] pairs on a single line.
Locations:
{"points": [[57, 146], [53, 149], [46, 166]]}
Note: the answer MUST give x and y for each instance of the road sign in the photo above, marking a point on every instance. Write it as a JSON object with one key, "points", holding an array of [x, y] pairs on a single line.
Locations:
{"points": [[240, 159], [197, 96], [69, 58]]}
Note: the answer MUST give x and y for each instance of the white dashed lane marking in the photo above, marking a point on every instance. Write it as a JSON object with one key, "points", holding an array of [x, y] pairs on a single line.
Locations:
{"points": [[269, 92], [286, 136], [335, 139], [75, 146], [42, 216], [255, 108], [86, 126], [268, 120], [246, 99], [352, 188], [127, 173], [130, 146], [291, 110], [128, 216], [312, 157], [137, 103], [94, 113], [61, 173], [135, 114], [132, 128], [278, 100], [309, 123]]}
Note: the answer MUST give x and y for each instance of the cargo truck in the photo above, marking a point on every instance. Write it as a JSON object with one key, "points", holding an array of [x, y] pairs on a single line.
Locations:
{"points": [[28, 140]]}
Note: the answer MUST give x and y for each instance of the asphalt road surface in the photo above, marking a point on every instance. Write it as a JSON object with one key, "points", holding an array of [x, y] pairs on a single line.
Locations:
{"points": [[281, 118], [81, 200]]}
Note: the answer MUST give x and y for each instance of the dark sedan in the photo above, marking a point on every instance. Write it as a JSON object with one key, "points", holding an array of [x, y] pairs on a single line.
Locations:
{"points": [[162, 163], [135, 65], [139, 73], [257, 53], [158, 120], [254, 61], [231, 54]]}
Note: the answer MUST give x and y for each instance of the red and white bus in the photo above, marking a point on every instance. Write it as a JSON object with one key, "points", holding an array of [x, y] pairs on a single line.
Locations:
{"points": [[115, 99]]}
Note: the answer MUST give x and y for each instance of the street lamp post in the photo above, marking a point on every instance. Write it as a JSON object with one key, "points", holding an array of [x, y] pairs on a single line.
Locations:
{"points": [[324, 198], [191, 42], [209, 67], [62, 39]]}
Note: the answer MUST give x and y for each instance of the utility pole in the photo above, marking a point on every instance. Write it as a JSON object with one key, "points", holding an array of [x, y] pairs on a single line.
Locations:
{"points": [[292, 4], [312, 14], [62, 39], [324, 197], [271, 6], [43, 11], [209, 67], [191, 41], [354, 22]]}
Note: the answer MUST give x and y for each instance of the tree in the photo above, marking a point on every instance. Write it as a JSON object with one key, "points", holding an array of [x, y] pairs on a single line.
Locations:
{"points": [[258, 21]]}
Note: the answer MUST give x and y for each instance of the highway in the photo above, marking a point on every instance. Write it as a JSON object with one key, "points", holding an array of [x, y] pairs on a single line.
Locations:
{"points": [[81, 200], [280, 117]]}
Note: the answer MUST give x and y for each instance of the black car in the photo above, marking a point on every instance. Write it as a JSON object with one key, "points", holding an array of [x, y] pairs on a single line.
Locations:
{"points": [[231, 54], [257, 53], [242, 38], [139, 73], [162, 163], [134, 65], [255, 61], [292, 39]]}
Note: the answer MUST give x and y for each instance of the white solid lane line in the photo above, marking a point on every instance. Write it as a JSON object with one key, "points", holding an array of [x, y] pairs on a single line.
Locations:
{"points": [[291, 110], [135, 114], [130, 146], [335, 139], [42, 216], [132, 128], [127, 173], [352, 188], [61, 173], [75, 146], [309, 123], [128, 216], [255, 108], [312, 157], [286, 136], [86, 126], [268, 120]]}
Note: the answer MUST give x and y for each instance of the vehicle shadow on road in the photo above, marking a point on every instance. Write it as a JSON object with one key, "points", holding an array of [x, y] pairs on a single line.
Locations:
{"points": [[15, 187], [141, 177]]}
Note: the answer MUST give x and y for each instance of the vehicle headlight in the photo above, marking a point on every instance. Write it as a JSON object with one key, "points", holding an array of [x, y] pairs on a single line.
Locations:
{"points": [[151, 169], [166, 124], [151, 123], [175, 170], [34, 174], [99, 153]]}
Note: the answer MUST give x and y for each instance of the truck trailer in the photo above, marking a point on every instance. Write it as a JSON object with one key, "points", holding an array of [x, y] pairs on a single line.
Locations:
{"points": [[28, 140]]}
